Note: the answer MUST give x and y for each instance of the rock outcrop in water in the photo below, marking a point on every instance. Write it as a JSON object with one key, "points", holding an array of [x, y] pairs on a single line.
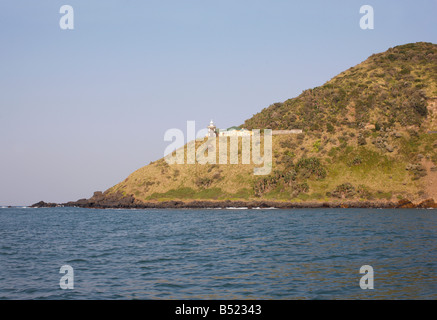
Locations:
{"points": [[43, 204], [106, 200]]}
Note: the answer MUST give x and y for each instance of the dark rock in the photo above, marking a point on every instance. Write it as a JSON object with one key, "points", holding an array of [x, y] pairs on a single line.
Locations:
{"points": [[43, 204], [405, 203], [428, 203], [98, 194], [105, 200], [127, 201]]}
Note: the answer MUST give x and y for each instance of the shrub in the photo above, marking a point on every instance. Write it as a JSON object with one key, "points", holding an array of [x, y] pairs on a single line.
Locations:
{"points": [[377, 126], [345, 190], [203, 182], [303, 187], [287, 159], [355, 161], [274, 180], [308, 167], [364, 193], [316, 146], [361, 140]]}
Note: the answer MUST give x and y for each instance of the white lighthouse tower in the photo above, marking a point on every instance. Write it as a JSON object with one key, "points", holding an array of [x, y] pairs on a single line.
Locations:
{"points": [[212, 131]]}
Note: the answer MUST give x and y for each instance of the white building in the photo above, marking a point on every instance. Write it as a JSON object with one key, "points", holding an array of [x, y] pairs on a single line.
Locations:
{"points": [[230, 132], [241, 132], [235, 132]]}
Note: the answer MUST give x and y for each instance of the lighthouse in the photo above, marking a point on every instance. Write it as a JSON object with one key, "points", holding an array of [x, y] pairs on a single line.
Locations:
{"points": [[212, 131]]}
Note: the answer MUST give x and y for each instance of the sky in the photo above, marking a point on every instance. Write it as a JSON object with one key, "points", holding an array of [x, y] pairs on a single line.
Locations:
{"points": [[81, 109]]}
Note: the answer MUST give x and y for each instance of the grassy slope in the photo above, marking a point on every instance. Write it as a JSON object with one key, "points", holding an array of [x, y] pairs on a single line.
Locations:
{"points": [[393, 90]]}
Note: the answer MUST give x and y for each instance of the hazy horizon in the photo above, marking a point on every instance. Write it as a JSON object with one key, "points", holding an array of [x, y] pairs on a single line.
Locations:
{"points": [[82, 109]]}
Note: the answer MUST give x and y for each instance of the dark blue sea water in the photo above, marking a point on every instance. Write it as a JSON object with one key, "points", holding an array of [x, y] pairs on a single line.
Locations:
{"points": [[218, 254]]}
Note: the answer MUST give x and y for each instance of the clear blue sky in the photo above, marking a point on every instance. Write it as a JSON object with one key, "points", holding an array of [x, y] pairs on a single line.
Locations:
{"points": [[81, 109]]}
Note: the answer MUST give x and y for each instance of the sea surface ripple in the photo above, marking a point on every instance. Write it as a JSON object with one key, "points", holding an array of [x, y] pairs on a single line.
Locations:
{"points": [[218, 254]]}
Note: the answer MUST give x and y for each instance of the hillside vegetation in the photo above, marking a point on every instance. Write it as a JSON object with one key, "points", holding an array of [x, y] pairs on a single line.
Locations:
{"points": [[368, 134], [387, 89]]}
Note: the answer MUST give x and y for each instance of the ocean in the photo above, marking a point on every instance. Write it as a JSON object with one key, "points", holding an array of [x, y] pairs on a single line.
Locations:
{"points": [[217, 254]]}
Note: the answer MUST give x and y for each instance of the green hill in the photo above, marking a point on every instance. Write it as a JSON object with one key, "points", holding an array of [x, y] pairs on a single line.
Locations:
{"points": [[388, 88], [369, 134]]}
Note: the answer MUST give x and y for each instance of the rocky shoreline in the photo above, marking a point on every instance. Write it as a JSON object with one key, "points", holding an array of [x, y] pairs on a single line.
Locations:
{"points": [[118, 201]]}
